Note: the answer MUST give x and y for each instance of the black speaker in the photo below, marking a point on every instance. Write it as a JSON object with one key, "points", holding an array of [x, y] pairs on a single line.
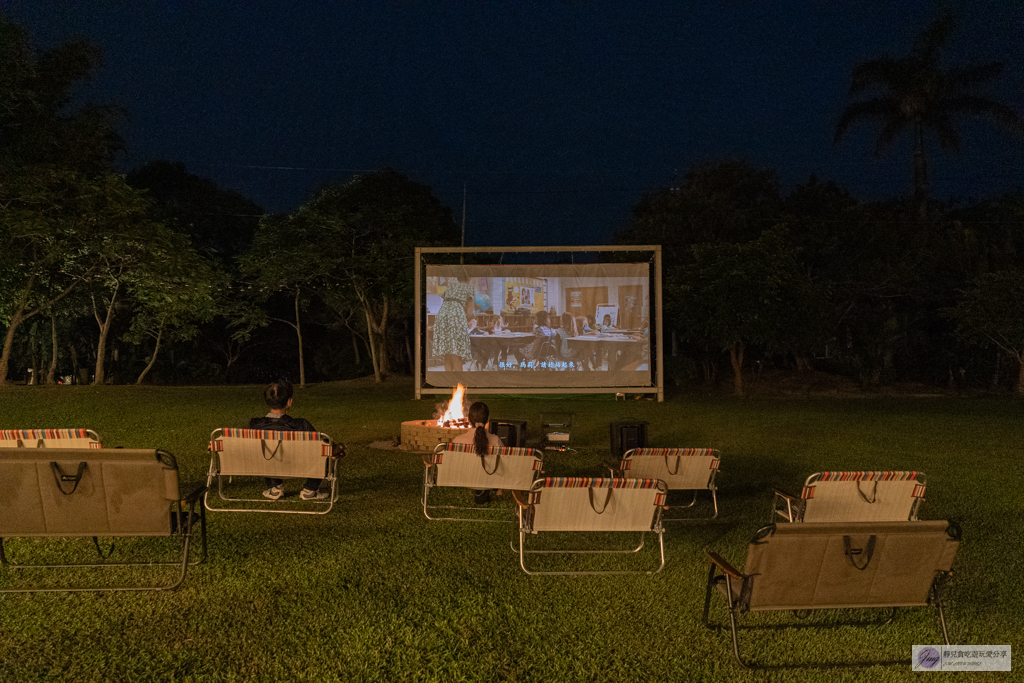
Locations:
{"points": [[626, 436], [511, 432]]}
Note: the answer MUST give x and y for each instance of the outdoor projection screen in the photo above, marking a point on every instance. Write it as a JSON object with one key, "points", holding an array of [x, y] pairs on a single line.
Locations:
{"points": [[485, 326]]}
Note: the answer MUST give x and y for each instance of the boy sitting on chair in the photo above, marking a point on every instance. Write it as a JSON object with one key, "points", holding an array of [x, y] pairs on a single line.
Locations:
{"points": [[279, 399]]}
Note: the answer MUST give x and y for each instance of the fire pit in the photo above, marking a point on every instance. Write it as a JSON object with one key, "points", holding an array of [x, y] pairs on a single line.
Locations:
{"points": [[424, 435]]}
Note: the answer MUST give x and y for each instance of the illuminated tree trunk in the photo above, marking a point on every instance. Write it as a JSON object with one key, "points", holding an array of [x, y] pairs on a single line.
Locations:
{"points": [[1020, 375], [16, 321], [373, 348], [101, 347], [152, 360], [298, 332], [51, 374], [736, 356]]}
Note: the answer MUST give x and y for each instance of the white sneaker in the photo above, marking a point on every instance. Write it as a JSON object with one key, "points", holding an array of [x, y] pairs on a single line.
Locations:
{"points": [[274, 492], [310, 494]]}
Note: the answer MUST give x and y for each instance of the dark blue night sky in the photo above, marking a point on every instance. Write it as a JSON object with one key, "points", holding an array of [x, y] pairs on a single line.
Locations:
{"points": [[556, 116]]}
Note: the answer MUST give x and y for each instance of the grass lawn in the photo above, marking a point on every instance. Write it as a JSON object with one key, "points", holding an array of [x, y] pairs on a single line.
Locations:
{"points": [[375, 592]]}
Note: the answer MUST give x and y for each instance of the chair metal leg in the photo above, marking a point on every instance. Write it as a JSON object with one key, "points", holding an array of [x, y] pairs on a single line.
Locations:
{"points": [[732, 624], [523, 552], [714, 501], [707, 598], [942, 621]]}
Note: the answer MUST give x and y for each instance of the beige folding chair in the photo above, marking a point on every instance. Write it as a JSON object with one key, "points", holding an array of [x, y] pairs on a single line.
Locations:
{"points": [[682, 469], [837, 565], [583, 504], [266, 453], [69, 492], [854, 497], [49, 438], [458, 465]]}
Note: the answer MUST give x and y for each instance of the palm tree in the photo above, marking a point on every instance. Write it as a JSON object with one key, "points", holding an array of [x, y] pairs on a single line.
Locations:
{"points": [[917, 93]]}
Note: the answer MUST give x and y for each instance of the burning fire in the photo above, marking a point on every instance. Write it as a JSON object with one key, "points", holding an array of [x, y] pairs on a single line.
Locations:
{"points": [[454, 415]]}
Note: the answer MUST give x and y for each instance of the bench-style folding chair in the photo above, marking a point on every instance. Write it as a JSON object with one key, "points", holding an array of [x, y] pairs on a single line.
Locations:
{"points": [[682, 469], [837, 566], [854, 497], [266, 453], [49, 438], [66, 492], [458, 465], [592, 504]]}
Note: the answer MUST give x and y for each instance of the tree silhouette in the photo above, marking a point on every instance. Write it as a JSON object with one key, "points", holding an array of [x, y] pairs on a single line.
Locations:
{"points": [[918, 94]]}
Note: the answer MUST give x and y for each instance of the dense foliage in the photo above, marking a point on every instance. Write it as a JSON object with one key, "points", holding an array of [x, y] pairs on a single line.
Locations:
{"points": [[163, 276]]}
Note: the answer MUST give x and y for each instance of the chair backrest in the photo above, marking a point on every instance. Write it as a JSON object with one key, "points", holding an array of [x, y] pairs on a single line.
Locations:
{"points": [[49, 438], [862, 496], [679, 468], [267, 453], [458, 464], [75, 492], [596, 504], [847, 565]]}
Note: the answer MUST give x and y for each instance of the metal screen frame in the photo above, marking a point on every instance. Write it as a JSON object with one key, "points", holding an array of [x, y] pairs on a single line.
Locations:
{"points": [[419, 321]]}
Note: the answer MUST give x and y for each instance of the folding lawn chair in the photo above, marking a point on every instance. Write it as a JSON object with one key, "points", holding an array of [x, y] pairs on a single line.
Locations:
{"points": [[277, 454], [854, 497], [837, 566], [49, 438], [580, 504], [62, 492], [682, 469], [458, 465]]}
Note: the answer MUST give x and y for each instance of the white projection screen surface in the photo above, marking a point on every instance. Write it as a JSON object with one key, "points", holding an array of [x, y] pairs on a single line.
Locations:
{"points": [[528, 326]]}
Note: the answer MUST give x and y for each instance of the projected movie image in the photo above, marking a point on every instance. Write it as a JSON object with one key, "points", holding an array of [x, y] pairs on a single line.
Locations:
{"points": [[545, 326]]}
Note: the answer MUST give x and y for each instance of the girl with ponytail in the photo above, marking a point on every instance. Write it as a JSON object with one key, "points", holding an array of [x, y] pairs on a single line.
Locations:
{"points": [[481, 439]]}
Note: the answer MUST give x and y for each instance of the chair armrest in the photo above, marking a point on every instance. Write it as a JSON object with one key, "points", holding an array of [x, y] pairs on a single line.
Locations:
{"points": [[793, 505], [720, 562], [779, 493], [613, 467], [522, 504], [191, 498]]}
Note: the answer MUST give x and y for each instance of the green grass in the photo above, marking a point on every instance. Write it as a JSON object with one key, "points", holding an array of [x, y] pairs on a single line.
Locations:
{"points": [[375, 592]]}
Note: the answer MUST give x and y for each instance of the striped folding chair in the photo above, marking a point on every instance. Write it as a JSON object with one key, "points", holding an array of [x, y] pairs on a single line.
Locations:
{"points": [[458, 465], [835, 565], [585, 504], [265, 453], [49, 438], [682, 469], [854, 497], [57, 494]]}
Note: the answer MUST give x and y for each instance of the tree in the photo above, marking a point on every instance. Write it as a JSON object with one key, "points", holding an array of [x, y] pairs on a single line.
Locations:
{"points": [[992, 312], [172, 294], [369, 228], [752, 293], [289, 255], [52, 166], [45, 236], [221, 223], [723, 201], [917, 93], [35, 124], [127, 249], [720, 202]]}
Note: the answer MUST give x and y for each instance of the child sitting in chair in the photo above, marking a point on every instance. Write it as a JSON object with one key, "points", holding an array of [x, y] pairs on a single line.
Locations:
{"points": [[279, 399]]}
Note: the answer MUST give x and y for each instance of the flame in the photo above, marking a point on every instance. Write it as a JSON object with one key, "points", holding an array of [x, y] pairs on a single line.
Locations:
{"points": [[454, 413]]}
